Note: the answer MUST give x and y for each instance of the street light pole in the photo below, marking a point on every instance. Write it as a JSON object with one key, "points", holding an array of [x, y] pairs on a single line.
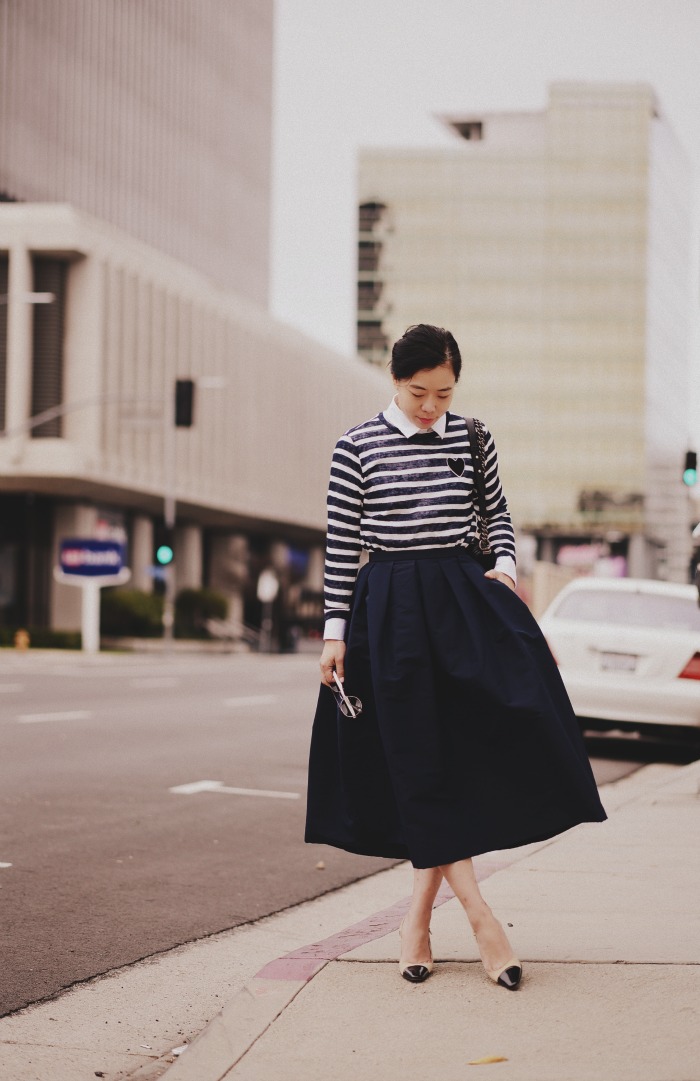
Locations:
{"points": [[169, 471], [168, 406], [70, 407], [267, 590], [169, 509]]}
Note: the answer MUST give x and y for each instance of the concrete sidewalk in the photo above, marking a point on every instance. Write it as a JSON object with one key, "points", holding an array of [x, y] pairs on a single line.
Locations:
{"points": [[606, 920]]}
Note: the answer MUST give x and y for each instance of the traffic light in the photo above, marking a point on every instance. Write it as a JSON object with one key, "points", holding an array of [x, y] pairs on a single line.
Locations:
{"points": [[163, 545], [690, 469], [184, 403]]}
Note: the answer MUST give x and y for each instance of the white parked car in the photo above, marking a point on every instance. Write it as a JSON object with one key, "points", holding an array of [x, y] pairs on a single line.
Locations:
{"points": [[628, 651]]}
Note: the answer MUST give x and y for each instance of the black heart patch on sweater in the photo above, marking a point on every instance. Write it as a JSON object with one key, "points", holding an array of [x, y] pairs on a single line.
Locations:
{"points": [[456, 465]]}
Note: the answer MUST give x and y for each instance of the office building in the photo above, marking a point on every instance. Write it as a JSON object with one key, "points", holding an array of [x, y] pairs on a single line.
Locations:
{"points": [[134, 228], [556, 247], [153, 116]]}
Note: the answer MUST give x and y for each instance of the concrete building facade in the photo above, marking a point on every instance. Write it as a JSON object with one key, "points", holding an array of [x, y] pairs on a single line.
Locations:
{"points": [[249, 474], [153, 116], [134, 225], [556, 247]]}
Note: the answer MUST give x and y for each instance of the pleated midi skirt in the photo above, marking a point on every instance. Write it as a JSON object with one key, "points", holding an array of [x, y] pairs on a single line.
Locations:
{"points": [[467, 741]]}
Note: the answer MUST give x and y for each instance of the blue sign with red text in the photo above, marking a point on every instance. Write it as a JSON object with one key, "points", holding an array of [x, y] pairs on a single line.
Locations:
{"points": [[87, 558]]}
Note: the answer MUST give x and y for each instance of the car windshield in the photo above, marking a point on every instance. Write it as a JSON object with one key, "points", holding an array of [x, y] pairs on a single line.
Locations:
{"points": [[652, 610]]}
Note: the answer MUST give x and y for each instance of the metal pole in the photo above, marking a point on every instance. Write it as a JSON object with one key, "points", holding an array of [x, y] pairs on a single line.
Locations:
{"points": [[71, 407], [268, 588], [91, 617], [169, 508], [265, 642]]}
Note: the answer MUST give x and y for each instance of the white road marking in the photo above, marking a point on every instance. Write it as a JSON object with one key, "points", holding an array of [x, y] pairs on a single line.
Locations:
{"points": [[194, 787], [9, 688], [252, 700], [271, 794], [5, 864], [67, 715], [155, 682]]}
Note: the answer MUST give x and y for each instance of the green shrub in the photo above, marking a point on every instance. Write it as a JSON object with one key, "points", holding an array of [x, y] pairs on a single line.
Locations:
{"points": [[193, 607], [130, 613]]}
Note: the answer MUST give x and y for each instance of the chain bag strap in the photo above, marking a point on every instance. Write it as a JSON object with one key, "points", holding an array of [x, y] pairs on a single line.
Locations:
{"points": [[482, 549]]}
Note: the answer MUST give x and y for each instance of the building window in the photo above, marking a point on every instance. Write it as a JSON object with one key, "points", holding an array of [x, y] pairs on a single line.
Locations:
{"points": [[4, 285], [370, 215], [372, 342], [471, 130], [26, 529], [371, 338], [50, 276], [368, 295], [368, 255]]}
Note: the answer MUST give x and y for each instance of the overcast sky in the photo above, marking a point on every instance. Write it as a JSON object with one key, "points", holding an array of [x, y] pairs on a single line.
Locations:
{"points": [[354, 73]]}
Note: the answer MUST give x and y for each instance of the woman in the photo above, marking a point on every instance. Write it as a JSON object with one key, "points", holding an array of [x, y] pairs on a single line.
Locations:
{"points": [[463, 739]]}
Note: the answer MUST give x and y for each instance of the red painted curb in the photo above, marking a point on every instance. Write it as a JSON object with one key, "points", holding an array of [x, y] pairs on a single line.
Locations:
{"points": [[304, 963]]}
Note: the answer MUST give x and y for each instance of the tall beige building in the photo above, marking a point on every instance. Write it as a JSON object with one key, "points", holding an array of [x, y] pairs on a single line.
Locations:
{"points": [[555, 245]]}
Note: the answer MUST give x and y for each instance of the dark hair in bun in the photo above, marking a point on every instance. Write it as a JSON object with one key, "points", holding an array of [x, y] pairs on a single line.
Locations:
{"points": [[424, 346]]}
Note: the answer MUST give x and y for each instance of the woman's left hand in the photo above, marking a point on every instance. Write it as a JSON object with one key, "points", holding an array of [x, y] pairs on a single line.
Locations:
{"points": [[499, 576]]}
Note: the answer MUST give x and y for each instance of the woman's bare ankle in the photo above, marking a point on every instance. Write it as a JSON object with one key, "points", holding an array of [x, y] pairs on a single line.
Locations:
{"points": [[417, 921], [480, 916]]}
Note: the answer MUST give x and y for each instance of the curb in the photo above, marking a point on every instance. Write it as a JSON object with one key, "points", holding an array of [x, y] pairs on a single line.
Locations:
{"points": [[231, 1034], [218, 1049]]}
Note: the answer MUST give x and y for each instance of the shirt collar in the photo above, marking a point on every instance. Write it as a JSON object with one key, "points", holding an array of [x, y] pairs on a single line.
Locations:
{"points": [[398, 419]]}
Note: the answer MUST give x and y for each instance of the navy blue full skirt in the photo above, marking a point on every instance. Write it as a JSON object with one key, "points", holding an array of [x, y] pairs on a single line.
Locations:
{"points": [[467, 741]]}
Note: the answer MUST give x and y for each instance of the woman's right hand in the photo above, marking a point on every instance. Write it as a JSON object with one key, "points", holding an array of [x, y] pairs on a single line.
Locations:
{"points": [[332, 659]]}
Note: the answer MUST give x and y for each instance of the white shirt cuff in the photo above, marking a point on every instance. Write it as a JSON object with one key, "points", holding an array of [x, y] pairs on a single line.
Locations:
{"points": [[506, 564], [335, 628]]}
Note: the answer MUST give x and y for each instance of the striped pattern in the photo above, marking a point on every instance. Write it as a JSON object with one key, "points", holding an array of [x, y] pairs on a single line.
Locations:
{"points": [[153, 115], [388, 493]]}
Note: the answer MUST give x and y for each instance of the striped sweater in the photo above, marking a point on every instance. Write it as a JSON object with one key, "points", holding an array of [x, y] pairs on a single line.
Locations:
{"points": [[389, 492]]}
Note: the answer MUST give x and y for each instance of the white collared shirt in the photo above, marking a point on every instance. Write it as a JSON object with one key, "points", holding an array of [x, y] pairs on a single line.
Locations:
{"points": [[396, 416]]}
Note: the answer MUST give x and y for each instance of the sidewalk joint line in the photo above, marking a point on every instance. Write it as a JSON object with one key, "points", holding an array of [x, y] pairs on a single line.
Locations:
{"points": [[260, 1035]]}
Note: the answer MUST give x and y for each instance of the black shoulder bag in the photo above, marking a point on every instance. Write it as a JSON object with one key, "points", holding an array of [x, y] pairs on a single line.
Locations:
{"points": [[481, 547]]}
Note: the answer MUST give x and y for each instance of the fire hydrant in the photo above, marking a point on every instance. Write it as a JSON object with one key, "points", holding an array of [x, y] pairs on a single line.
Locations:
{"points": [[22, 641]]}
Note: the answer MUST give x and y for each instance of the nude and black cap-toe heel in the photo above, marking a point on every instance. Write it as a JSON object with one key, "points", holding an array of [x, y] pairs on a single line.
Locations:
{"points": [[509, 975], [415, 972]]}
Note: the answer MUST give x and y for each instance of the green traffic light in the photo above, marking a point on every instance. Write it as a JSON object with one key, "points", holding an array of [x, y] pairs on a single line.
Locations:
{"points": [[690, 468], [164, 554]]}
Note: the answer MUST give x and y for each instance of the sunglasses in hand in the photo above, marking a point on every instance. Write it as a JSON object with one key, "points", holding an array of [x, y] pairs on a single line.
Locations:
{"points": [[348, 704]]}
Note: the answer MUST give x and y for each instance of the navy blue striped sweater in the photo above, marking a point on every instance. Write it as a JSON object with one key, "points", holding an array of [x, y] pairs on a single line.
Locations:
{"points": [[389, 493]]}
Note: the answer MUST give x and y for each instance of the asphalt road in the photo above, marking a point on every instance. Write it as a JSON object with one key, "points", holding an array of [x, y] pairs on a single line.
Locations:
{"points": [[101, 862]]}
